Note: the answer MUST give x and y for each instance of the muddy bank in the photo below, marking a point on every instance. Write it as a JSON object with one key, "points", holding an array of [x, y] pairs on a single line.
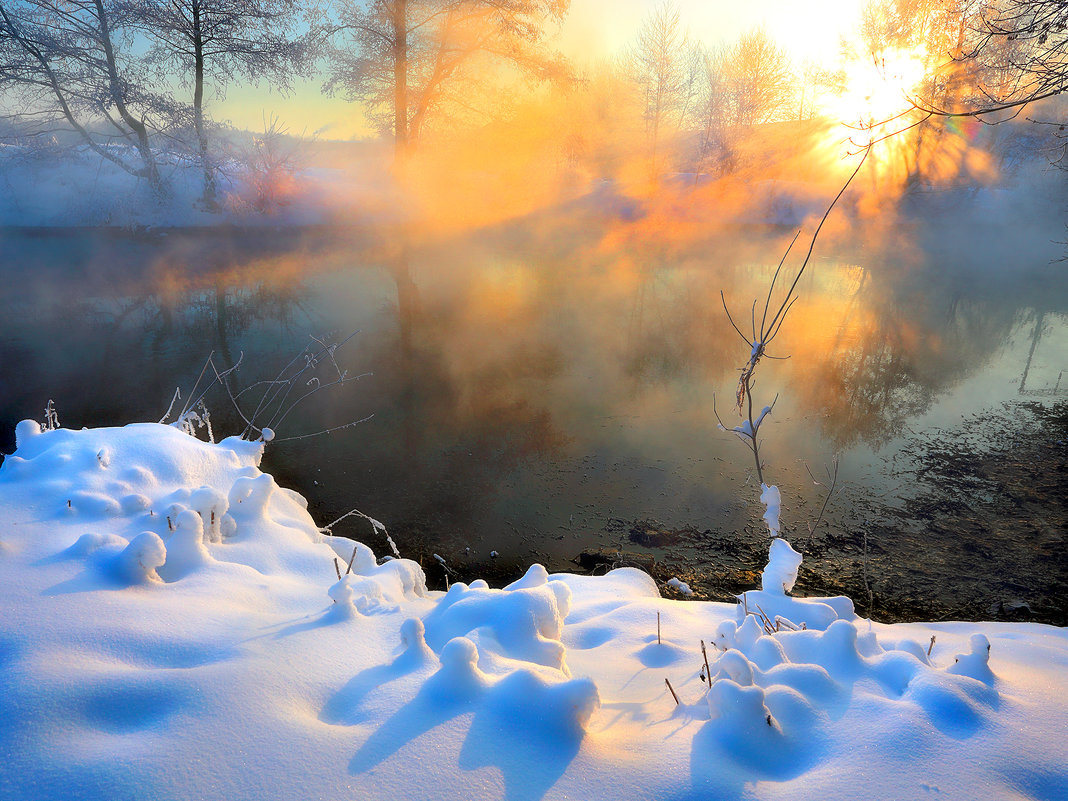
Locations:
{"points": [[976, 533]]}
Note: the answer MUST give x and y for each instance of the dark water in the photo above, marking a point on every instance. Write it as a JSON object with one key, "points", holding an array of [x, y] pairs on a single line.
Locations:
{"points": [[544, 390]]}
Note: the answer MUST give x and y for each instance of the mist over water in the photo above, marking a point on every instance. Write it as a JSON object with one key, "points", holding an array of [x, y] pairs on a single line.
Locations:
{"points": [[542, 384]]}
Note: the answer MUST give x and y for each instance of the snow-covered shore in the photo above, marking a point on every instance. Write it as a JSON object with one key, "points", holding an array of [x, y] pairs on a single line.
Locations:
{"points": [[173, 627]]}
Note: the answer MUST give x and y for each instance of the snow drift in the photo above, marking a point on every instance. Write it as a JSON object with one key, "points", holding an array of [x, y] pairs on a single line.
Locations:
{"points": [[173, 627]]}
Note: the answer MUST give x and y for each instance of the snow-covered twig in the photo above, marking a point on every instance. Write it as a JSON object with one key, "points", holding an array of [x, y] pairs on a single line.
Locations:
{"points": [[51, 421], [276, 403], [376, 527]]}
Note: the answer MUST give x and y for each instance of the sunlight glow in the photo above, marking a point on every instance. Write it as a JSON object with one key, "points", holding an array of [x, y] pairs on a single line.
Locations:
{"points": [[879, 88]]}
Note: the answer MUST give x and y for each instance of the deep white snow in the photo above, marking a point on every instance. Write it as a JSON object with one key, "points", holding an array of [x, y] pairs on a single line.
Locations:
{"points": [[172, 626]]}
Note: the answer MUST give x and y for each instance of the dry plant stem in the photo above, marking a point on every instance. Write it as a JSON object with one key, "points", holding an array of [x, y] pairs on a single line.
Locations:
{"points": [[351, 560], [750, 436], [658, 628], [282, 410], [337, 568], [864, 568], [221, 378], [194, 398], [753, 436], [325, 430], [830, 492], [275, 399], [708, 672], [766, 622], [673, 693], [175, 397], [931, 646], [769, 329]]}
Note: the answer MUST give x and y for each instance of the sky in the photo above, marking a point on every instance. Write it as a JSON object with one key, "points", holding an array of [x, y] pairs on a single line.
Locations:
{"points": [[593, 29]]}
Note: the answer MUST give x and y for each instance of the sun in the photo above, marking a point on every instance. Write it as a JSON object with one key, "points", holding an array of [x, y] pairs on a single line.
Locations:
{"points": [[878, 89]]}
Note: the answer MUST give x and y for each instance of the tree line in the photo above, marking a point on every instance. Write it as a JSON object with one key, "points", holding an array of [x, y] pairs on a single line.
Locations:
{"points": [[130, 79]]}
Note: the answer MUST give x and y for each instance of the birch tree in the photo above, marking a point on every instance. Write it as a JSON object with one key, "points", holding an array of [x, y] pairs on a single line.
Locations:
{"points": [[660, 65]]}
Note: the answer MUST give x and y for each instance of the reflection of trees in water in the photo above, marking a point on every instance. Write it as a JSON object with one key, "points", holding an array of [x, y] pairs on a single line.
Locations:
{"points": [[463, 399], [911, 350], [1041, 323], [909, 340], [112, 346], [880, 345]]}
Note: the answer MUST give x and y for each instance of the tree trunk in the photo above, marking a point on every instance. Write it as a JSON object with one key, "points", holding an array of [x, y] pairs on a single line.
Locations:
{"points": [[198, 107], [400, 84], [151, 170]]}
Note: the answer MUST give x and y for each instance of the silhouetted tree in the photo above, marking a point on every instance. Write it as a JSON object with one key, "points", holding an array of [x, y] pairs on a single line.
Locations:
{"points": [[68, 64], [202, 42], [408, 60]]}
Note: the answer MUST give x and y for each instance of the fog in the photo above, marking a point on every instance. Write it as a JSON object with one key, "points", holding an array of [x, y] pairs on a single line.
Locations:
{"points": [[538, 274]]}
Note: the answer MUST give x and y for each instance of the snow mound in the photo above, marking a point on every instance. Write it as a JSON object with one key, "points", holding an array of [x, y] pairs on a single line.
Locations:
{"points": [[163, 602], [522, 622], [775, 682], [207, 503], [397, 580]]}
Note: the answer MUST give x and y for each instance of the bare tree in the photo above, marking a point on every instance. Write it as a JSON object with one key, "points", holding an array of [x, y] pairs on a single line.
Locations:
{"points": [[712, 103], [1038, 30], [812, 81], [214, 41], [408, 60], [665, 67], [67, 63], [759, 80], [1018, 49]]}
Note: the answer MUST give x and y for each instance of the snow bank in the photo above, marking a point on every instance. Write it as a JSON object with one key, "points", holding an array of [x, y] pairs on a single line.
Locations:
{"points": [[172, 625]]}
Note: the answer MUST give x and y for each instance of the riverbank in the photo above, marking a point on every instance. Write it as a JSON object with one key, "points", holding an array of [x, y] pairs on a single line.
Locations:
{"points": [[174, 626]]}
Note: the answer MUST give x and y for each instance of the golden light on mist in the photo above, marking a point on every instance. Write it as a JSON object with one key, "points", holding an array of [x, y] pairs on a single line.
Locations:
{"points": [[879, 88]]}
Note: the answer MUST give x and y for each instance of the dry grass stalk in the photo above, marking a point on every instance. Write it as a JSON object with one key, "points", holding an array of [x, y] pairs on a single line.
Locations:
{"points": [[673, 693]]}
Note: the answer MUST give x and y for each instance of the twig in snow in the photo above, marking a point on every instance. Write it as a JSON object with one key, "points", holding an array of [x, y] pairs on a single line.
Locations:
{"points": [[445, 567], [176, 397], [766, 622], [673, 693]]}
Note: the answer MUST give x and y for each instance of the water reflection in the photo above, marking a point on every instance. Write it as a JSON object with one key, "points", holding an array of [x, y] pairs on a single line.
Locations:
{"points": [[541, 388]]}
